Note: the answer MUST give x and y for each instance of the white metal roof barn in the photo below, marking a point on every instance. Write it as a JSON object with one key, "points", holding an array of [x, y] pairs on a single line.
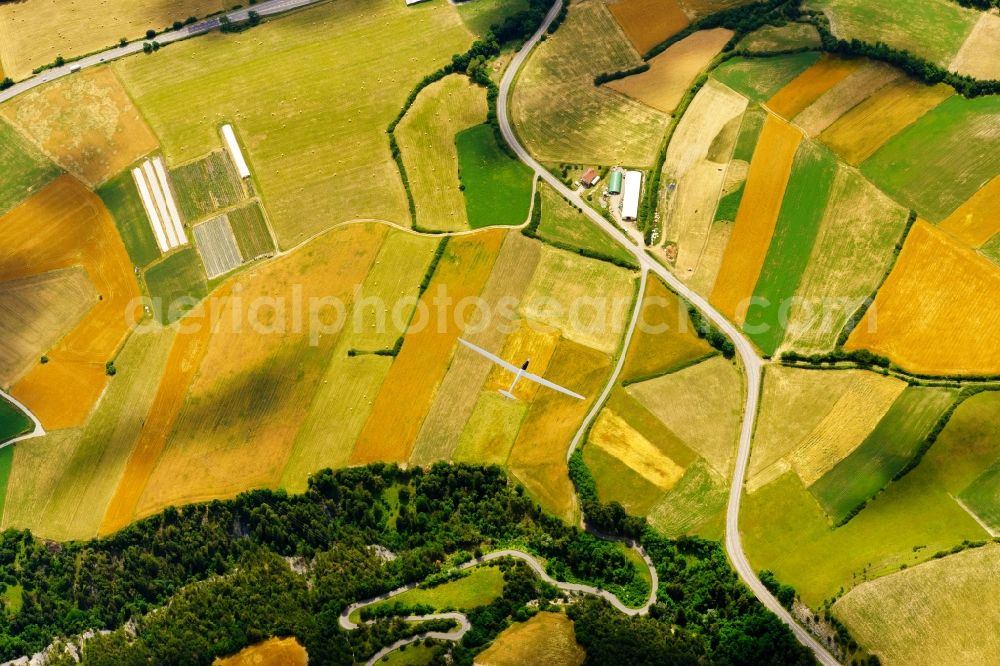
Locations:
{"points": [[630, 194]]}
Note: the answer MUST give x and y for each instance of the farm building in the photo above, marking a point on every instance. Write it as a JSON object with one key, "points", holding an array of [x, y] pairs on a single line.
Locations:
{"points": [[630, 194], [589, 177], [233, 146], [615, 184]]}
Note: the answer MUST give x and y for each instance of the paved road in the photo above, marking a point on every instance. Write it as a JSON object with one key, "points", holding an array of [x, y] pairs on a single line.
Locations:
{"points": [[463, 622], [266, 8], [38, 430], [751, 362]]}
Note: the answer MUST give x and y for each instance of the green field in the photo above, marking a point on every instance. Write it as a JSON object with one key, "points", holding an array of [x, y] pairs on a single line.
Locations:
{"points": [[13, 422], [480, 15], [479, 588], [6, 460], [206, 185], [25, 169], [785, 529], [760, 78], [938, 162], [497, 187], [791, 245], [884, 453], [563, 224], [746, 142], [411, 655], [251, 232], [122, 199], [310, 95], [175, 284], [88, 477], [991, 249], [983, 496], [931, 29], [617, 482], [853, 250], [691, 505], [780, 38], [560, 115]]}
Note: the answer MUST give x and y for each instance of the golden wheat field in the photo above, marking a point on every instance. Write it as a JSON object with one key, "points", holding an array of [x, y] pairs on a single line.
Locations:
{"points": [[807, 87], [845, 95], [454, 404], [37, 311], [66, 225], [976, 221], [547, 638], [538, 457], [272, 652], [670, 73], [86, 123], [939, 311], [857, 134], [751, 237], [648, 22], [186, 354], [405, 396], [239, 421]]}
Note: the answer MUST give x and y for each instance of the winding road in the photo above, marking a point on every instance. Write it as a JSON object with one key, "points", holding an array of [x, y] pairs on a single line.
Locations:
{"points": [[463, 622], [752, 363]]}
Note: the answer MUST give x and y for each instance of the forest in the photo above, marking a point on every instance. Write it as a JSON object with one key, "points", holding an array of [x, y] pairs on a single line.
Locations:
{"points": [[206, 580]]}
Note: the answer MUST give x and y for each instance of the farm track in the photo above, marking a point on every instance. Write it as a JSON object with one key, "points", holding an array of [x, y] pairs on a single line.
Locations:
{"points": [[38, 430], [751, 362], [463, 622]]}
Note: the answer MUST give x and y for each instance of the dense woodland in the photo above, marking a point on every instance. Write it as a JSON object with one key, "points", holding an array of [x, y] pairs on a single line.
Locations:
{"points": [[207, 580]]}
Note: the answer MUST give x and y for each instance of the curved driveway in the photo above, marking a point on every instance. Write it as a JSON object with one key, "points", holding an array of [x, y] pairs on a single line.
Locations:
{"points": [[751, 362]]}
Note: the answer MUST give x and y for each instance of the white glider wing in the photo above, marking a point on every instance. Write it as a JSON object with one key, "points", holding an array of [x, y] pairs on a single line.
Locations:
{"points": [[519, 371]]}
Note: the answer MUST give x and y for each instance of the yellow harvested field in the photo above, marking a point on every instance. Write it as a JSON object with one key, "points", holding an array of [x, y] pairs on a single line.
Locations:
{"points": [[939, 311], [806, 88], [939, 612], [65, 225], [86, 123], [845, 95], [751, 237], [272, 652], [857, 134], [793, 402], [976, 221], [455, 401], [670, 73], [426, 138], [407, 393], [33, 34], [547, 638], [587, 299], [697, 161], [491, 430], [978, 56], [703, 280], [648, 22], [347, 391], [186, 354], [245, 407], [855, 414], [538, 458], [531, 341], [702, 405], [617, 438], [664, 336], [561, 116], [35, 312]]}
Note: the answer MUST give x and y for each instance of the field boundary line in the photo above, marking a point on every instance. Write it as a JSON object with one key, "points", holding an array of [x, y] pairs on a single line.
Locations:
{"points": [[972, 514], [38, 430]]}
